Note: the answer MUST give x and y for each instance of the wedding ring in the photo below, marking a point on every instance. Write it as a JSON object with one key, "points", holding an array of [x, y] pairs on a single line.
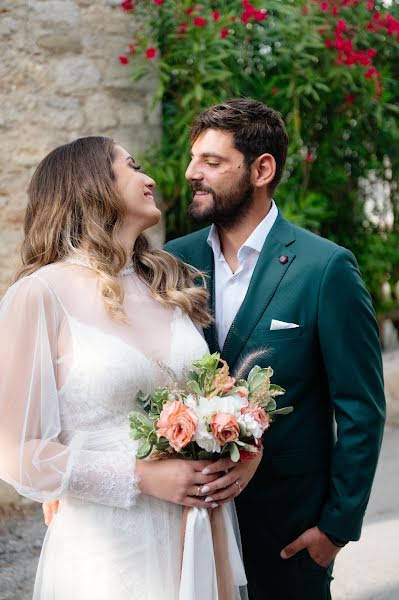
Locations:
{"points": [[198, 491], [238, 485]]}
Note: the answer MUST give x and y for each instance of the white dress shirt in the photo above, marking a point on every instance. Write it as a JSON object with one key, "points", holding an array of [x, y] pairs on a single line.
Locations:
{"points": [[231, 288]]}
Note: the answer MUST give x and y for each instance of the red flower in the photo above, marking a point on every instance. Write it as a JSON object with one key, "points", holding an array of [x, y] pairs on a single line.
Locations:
{"points": [[200, 22], [123, 59], [370, 5], [350, 98], [189, 11], [224, 33], [132, 48], [324, 6], [370, 73], [260, 15], [127, 5], [183, 28], [341, 25], [335, 10], [371, 52], [309, 158], [159, 2], [150, 53], [215, 15], [275, 90]]}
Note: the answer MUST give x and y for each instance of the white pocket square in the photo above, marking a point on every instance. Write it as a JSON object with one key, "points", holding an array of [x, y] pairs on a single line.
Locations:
{"points": [[275, 324]]}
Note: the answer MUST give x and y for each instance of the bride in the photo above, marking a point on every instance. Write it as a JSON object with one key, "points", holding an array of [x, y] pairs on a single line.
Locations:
{"points": [[91, 320]]}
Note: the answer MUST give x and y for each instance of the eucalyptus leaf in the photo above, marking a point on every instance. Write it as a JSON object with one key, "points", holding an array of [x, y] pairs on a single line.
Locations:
{"points": [[282, 411], [144, 450], [234, 452]]}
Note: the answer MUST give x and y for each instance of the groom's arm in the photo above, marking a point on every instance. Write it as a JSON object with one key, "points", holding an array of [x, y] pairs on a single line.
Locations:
{"points": [[350, 347]]}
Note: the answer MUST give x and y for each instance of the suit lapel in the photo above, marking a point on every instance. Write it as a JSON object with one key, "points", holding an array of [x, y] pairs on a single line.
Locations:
{"points": [[204, 261], [267, 276]]}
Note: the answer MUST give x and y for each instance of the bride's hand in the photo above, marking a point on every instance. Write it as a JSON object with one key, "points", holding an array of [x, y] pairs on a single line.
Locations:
{"points": [[175, 480], [234, 480], [50, 509]]}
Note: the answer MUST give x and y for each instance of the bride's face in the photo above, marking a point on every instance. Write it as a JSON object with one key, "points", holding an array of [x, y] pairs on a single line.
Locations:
{"points": [[136, 190]]}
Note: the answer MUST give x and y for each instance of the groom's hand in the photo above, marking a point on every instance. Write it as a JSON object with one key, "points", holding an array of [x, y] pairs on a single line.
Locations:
{"points": [[319, 547]]}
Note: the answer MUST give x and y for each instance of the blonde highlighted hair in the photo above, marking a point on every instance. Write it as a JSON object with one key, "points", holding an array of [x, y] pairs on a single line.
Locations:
{"points": [[73, 204]]}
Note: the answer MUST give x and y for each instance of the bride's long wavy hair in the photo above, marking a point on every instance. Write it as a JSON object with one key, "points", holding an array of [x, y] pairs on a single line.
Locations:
{"points": [[73, 203]]}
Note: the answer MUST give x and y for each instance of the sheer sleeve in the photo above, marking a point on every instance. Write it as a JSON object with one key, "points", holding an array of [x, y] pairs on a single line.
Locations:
{"points": [[32, 458]]}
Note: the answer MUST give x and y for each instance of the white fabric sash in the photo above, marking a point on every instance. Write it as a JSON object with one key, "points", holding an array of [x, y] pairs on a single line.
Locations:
{"points": [[199, 577]]}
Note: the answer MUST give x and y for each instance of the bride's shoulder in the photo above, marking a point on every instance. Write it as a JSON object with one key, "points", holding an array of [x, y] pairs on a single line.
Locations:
{"points": [[35, 288]]}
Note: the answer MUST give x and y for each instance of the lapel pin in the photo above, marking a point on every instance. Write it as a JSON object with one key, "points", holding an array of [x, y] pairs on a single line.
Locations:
{"points": [[283, 259]]}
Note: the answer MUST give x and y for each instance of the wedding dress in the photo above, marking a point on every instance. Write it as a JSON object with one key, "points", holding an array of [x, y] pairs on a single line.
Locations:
{"points": [[69, 377]]}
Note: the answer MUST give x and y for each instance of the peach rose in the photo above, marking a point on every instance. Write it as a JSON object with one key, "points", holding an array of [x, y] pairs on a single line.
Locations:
{"points": [[261, 417], [177, 424], [242, 391], [225, 428]]}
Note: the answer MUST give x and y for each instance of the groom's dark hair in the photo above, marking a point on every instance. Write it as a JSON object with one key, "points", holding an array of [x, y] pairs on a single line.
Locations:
{"points": [[257, 129]]}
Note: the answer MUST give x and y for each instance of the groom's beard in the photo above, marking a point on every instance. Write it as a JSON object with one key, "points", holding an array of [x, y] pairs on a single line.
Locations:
{"points": [[226, 210]]}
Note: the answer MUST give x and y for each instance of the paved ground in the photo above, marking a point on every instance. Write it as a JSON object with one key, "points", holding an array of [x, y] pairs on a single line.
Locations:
{"points": [[368, 570], [21, 536]]}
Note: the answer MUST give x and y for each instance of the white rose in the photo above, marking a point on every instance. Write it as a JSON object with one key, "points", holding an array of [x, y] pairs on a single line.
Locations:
{"points": [[250, 426]]}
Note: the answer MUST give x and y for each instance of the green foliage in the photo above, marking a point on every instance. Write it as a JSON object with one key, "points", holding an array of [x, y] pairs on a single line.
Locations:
{"points": [[342, 118]]}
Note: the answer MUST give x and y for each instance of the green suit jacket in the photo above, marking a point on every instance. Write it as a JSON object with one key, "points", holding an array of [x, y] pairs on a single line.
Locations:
{"points": [[330, 367]]}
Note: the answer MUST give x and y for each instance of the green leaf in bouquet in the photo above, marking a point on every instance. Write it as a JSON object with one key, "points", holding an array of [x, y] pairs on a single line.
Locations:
{"points": [[162, 444], [143, 400], [241, 383], [270, 405], [193, 376], [193, 387], [143, 420], [208, 361], [144, 450], [137, 434], [234, 452], [286, 410], [257, 381], [204, 455], [276, 390], [253, 372]]}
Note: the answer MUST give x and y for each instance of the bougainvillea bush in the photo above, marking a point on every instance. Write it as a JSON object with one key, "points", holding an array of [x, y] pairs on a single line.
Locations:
{"points": [[330, 67]]}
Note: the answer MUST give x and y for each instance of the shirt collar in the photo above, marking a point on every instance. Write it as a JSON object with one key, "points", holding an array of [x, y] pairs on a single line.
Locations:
{"points": [[254, 243]]}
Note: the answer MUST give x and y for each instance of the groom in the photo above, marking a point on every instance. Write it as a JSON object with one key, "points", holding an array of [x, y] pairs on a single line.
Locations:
{"points": [[299, 297]]}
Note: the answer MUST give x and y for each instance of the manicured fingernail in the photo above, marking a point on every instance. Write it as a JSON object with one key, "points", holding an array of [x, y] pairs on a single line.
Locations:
{"points": [[205, 489], [214, 505], [205, 471], [209, 499]]}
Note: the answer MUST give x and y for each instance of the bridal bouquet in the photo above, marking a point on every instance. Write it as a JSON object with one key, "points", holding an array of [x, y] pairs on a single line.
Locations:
{"points": [[211, 415]]}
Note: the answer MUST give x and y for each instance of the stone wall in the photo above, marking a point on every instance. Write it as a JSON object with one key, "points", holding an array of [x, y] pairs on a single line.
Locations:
{"points": [[60, 78]]}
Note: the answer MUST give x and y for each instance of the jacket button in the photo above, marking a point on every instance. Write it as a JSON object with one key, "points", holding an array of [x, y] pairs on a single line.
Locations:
{"points": [[283, 259]]}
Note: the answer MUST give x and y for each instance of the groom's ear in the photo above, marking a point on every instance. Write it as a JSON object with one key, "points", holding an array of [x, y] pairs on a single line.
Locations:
{"points": [[263, 170]]}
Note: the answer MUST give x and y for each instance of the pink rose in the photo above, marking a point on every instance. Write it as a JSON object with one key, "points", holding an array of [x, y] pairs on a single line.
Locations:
{"points": [[261, 417], [225, 428], [177, 424]]}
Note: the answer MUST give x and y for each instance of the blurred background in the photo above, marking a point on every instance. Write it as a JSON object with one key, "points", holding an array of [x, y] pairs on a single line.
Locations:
{"points": [[139, 71]]}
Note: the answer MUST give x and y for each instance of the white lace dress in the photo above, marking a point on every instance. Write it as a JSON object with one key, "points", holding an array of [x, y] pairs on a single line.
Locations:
{"points": [[69, 376]]}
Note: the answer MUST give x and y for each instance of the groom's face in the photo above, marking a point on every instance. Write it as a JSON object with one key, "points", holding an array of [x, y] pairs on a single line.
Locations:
{"points": [[221, 182]]}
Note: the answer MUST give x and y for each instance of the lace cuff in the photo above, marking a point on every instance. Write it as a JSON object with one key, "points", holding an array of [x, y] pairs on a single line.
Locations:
{"points": [[104, 477]]}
